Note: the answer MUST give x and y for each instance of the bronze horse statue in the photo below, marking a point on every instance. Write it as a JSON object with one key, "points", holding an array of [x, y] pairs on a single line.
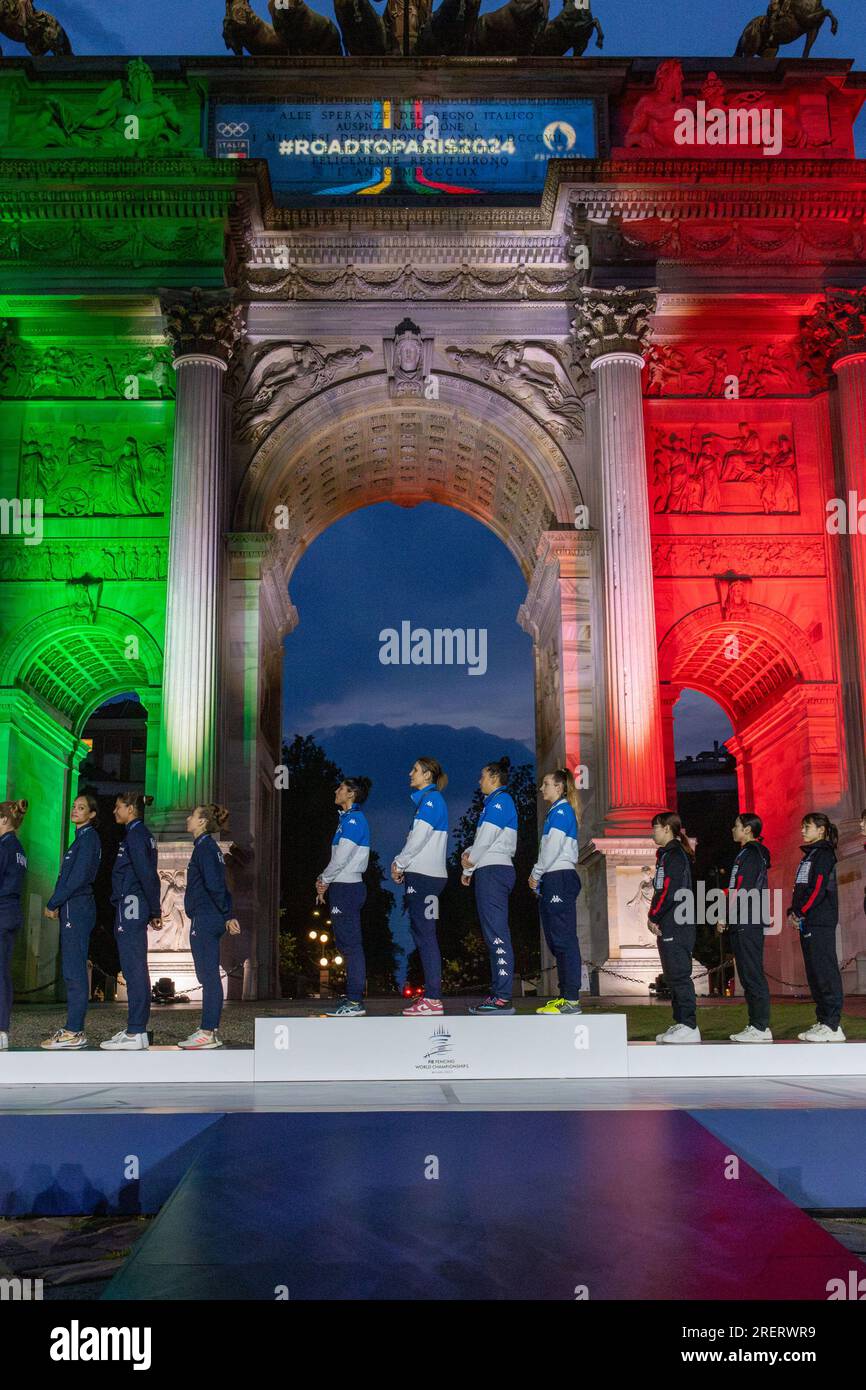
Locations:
{"points": [[784, 22], [38, 30], [243, 29], [301, 30], [572, 29], [448, 30], [363, 30], [511, 31]]}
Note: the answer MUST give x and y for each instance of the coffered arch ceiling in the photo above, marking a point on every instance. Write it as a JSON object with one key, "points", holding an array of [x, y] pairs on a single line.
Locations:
{"points": [[352, 447]]}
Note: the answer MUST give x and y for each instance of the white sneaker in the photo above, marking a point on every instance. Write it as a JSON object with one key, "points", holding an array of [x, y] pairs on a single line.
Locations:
{"points": [[753, 1035], [4, 1042], [125, 1042], [663, 1037], [682, 1034], [820, 1033], [200, 1041]]}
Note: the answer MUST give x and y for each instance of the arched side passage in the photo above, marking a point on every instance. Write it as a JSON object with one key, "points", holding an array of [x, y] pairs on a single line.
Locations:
{"points": [[765, 673]]}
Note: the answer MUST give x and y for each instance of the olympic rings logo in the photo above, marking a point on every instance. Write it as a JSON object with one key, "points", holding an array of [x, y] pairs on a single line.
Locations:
{"points": [[230, 128]]}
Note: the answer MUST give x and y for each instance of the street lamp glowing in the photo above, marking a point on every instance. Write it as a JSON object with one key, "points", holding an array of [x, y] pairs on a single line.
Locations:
{"points": [[313, 935], [324, 961], [338, 960]]}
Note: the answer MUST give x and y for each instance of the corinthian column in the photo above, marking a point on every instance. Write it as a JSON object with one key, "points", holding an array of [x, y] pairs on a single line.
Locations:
{"points": [[611, 330], [203, 329], [837, 331]]}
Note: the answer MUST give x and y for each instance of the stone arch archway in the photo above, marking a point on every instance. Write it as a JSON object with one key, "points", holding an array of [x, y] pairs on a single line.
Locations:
{"points": [[765, 673], [73, 666], [353, 446]]}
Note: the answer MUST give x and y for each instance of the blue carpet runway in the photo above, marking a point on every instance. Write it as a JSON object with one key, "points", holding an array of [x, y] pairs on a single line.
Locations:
{"points": [[538, 1205]]}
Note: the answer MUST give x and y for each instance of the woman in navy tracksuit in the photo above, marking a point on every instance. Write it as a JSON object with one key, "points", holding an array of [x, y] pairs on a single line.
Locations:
{"points": [[671, 919], [207, 903], [73, 902], [343, 882], [420, 865], [135, 892], [748, 919], [13, 866], [489, 863], [814, 911], [556, 882]]}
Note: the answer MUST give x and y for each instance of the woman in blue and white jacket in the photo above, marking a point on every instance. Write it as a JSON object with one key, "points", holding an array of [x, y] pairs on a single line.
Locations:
{"points": [[74, 904], [555, 879], [489, 863], [420, 865], [343, 882]]}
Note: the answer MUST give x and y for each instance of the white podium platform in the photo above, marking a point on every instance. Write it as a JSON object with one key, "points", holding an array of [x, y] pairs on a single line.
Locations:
{"points": [[719, 1059], [166, 1065], [453, 1047]]}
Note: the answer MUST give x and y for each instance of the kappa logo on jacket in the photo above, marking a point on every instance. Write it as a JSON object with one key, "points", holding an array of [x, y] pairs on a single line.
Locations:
{"points": [[409, 890], [556, 899], [336, 911]]}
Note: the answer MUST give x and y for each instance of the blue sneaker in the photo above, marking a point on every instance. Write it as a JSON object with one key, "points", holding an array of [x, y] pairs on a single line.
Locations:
{"points": [[493, 1005], [346, 1008]]}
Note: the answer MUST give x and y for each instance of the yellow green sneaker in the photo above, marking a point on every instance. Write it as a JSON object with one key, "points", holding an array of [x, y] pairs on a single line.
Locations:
{"points": [[560, 1006]]}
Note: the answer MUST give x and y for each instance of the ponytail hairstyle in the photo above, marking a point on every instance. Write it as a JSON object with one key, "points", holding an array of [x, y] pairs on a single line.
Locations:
{"points": [[500, 769], [565, 780], [14, 812], [831, 832], [136, 799], [675, 825], [437, 772], [750, 821], [215, 817], [92, 805], [360, 788]]}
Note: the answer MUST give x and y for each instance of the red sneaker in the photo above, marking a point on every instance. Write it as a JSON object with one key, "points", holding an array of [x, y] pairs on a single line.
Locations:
{"points": [[424, 1008]]}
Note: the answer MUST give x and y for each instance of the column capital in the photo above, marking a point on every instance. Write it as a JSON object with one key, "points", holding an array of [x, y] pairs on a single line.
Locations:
{"points": [[202, 324], [836, 330], [612, 322]]}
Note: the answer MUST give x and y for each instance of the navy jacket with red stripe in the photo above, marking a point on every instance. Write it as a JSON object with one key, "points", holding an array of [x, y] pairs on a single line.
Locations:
{"points": [[816, 897], [673, 874]]}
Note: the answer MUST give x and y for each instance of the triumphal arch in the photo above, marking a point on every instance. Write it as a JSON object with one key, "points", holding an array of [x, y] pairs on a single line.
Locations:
{"points": [[613, 309]]}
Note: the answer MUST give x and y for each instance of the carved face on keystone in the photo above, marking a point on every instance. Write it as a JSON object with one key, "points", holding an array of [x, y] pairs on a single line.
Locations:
{"points": [[407, 353]]}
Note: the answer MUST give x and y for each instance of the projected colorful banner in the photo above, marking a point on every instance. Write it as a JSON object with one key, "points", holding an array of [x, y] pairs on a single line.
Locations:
{"points": [[406, 148]]}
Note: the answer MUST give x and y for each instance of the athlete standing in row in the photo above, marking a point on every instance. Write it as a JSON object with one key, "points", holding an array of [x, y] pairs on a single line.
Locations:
{"points": [[207, 903], [671, 919], [555, 881], [747, 920], [13, 867], [74, 904], [814, 911], [489, 863], [421, 866], [343, 881], [136, 896]]}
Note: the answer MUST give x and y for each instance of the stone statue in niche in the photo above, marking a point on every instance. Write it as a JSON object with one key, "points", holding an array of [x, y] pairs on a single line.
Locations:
{"points": [[715, 473], [83, 597], [81, 473], [733, 596], [533, 375], [408, 359]]}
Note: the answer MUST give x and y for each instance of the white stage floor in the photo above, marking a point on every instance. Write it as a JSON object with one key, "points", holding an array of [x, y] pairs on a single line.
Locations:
{"points": [[683, 1093]]}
